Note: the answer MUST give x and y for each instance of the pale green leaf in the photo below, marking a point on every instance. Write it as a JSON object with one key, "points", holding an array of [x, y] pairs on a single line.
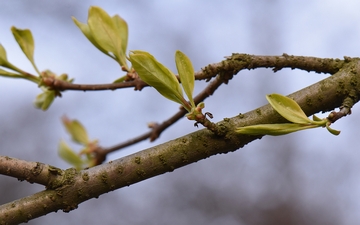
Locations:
{"points": [[288, 108], [76, 130], [122, 32], [120, 79], [274, 129], [44, 100], [10, 74], [315, 118], [332, 131], [104, 31], [26, 42], [3, 58], [186, 74], [86, 31], [318, 121], [5, 63], [67, 154], [18, 75], [157, 75]]}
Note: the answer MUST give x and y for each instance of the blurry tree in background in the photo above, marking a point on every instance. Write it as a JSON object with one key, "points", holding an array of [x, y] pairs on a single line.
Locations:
{"points": [[303, 178]]}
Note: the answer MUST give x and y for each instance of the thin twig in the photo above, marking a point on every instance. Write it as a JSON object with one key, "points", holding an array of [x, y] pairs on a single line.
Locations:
{"points": [[345, 108], [158, 129], [232, 64], [33, 172], [61, 85]]}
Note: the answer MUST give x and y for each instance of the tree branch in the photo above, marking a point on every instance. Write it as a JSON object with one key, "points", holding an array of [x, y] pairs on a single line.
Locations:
{"points": [[238, 62], [33, 172], [158, 129], [232, 64], [78, 186], [61, 85], [226, 69]]}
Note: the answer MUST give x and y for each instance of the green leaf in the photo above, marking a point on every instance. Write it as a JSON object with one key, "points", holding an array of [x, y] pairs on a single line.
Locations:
{"points": [[10, 74], [274, 129], [318, 121], [67, 154], [123, 32], [186, 74], [44, 100], [3, 58], [315, 118], [76, 130], [26, 42], [288, 108], [108, 34], [18, 75], [157, 75], [86, 31], [104, 31], [120, 79], [332, 131], [5, 63]]}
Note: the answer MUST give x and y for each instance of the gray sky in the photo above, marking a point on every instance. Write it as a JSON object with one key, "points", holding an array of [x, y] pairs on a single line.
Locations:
{"points": [[323, 168]]}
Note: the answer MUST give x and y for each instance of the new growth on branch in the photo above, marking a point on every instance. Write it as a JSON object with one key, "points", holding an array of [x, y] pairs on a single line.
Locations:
{"points": [[109, 34]]}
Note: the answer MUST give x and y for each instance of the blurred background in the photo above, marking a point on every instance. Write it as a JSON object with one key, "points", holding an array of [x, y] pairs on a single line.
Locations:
{"points": [[310, 177]]}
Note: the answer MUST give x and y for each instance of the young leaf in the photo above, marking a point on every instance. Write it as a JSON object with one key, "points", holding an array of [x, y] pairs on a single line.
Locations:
{"points": [[104, 31], [5, 63], [318, 121], [332, 131], [3, 58], [44, 100], [315, 118], [86, 31], [122, 31], [9, 74], [18, 75], [157, 75], [186, 74], [274, 129], [288, 108], [26, 42], [120, 79], [67, 154], [76, 130]]}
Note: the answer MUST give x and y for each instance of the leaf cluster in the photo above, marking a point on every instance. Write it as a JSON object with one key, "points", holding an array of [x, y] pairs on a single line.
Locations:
{"points": [[79, 135], [291, 111], [25, 40], [106, 33], [163, 80]]}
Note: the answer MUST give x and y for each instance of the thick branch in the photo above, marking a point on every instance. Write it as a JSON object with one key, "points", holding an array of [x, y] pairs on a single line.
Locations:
{"points": [[77, 187]]}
